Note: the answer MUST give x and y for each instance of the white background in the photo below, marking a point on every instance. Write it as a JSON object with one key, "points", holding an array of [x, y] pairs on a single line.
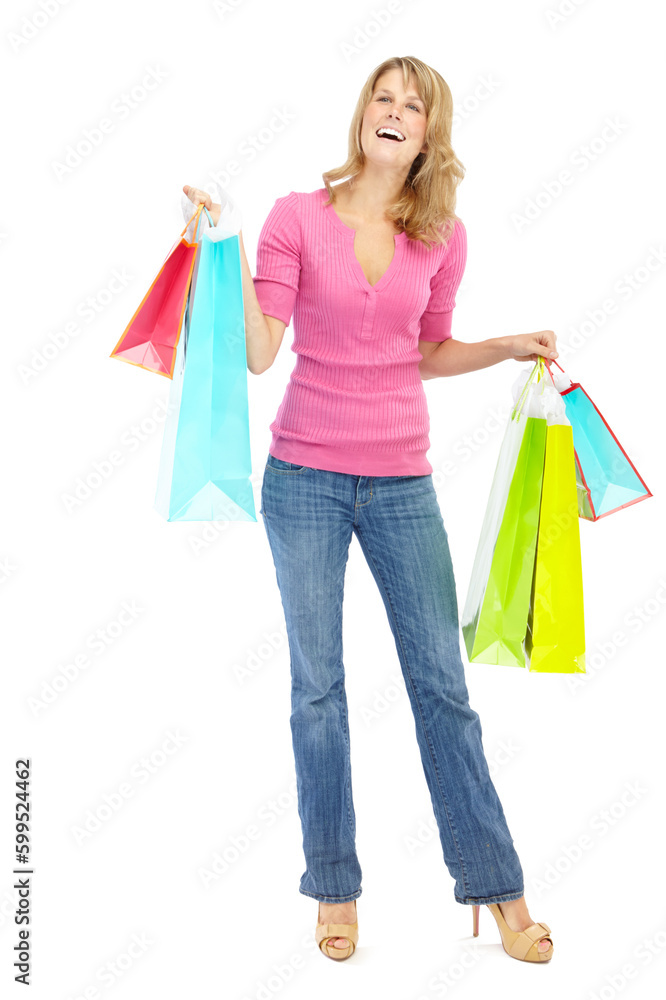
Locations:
{"points": [[533, 96]]}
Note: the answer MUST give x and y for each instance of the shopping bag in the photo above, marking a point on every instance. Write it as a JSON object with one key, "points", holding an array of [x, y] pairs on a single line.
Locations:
{"points": [[555, 635], [151, 336], [205, 463], [495, 614], [607, 479]]}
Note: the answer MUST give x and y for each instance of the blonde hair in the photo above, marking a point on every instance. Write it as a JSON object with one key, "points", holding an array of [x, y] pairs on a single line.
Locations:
{"points": [[425, 209]]}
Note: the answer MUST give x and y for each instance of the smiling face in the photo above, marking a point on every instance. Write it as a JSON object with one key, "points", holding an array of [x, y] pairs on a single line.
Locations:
{"points": [[397, 109]]}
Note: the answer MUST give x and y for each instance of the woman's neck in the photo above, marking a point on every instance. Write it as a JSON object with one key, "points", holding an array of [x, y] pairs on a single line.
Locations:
{"points": [[368, 197]]}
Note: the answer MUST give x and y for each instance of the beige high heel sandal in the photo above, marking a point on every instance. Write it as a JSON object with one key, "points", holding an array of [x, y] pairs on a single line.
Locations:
{"points": [[324, 932], [523, 945]]}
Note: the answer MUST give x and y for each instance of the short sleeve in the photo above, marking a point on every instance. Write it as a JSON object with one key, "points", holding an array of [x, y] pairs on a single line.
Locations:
{"points": [[279, 259], [436, 320]]}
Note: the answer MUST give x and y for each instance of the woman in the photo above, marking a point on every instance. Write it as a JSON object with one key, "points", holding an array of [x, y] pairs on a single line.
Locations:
{"points": [[369, 269]]}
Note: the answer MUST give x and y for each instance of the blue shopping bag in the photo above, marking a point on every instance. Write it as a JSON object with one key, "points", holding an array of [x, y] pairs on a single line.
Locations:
{"points": [[205, 464], [607, 479]]}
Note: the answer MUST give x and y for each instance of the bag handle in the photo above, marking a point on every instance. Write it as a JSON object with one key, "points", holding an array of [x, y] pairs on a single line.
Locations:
{"points": [[197, 215], [538, 368], [563, 372]]}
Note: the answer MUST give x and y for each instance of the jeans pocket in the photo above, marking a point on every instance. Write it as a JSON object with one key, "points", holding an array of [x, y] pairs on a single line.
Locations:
{"points": [[279, 466]]}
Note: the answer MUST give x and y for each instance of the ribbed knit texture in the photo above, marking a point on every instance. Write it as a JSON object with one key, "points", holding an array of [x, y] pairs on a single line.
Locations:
{"points": [[355, 400]]}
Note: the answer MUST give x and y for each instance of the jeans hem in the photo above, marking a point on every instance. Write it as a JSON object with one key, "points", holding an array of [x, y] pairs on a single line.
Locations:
{"points": [[332, 899], [501, 898]]}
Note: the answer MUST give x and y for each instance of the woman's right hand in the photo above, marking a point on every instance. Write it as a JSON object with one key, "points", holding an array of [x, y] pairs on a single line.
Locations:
{"points": [[198, 197], [225, 213]]}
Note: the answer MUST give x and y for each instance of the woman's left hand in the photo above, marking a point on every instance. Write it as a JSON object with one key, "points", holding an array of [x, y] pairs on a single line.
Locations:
{"points": [[528, 346]]}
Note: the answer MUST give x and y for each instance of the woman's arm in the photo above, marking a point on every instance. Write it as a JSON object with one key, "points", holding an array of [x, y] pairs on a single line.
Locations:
{"points": [[263, 334], [454, 357]]}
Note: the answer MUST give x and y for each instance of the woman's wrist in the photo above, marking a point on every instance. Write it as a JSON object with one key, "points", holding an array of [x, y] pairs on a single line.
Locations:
{"points": [[493, 350]]}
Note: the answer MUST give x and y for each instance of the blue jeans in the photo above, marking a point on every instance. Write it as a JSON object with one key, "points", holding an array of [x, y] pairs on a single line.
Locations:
{"points": [[310, 515]]}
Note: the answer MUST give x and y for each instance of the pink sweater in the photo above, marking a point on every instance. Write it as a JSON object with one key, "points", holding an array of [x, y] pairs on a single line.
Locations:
{"points": [[355, 401]]}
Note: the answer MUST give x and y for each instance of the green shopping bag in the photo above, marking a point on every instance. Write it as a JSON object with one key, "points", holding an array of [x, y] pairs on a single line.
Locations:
{"points": [[494, 618], [555, 636]]}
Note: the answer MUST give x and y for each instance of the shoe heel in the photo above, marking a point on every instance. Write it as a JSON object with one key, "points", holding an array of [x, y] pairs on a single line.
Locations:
{"points": [[475, 914]]}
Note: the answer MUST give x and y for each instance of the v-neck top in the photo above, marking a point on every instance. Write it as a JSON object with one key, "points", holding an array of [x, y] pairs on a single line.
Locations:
{"points": [[355, 401]]}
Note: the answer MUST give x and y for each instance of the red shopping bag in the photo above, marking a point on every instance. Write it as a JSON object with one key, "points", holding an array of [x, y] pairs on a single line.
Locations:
{"points": [[151, 336]]}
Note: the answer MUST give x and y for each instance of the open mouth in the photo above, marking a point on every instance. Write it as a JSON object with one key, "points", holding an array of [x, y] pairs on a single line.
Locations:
{"points": [[392, 134]]}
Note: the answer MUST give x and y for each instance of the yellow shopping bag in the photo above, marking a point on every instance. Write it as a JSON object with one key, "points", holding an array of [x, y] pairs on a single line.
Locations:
{"points": [[555, 637]]}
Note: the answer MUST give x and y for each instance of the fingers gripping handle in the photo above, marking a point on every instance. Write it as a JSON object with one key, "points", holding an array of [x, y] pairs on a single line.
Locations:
{"points": [[197, 215]]}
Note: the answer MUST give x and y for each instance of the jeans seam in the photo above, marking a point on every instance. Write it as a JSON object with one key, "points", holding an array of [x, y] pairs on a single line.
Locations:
{"points": [[332, 899], [423, 723], [502, 897], [288, 472], [345, 730], [364, 504]]}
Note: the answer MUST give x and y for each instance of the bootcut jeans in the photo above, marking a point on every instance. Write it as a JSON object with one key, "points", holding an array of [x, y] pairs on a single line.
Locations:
{"points": [[309, 516]]}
